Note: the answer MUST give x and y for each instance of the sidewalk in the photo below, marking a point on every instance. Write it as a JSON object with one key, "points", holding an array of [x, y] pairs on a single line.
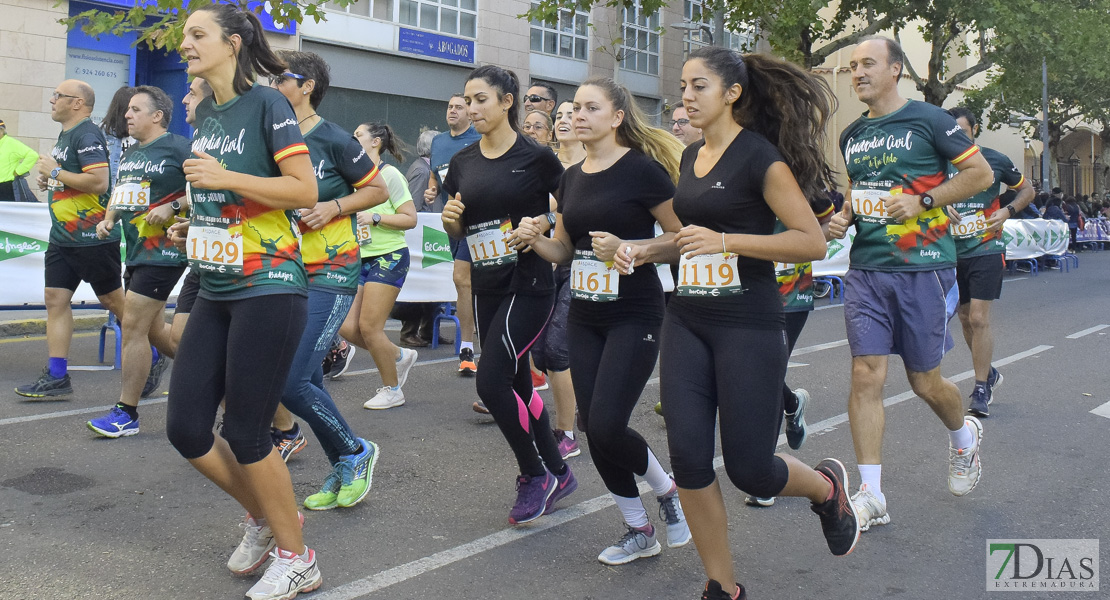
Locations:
{"points": [[33, 321]]}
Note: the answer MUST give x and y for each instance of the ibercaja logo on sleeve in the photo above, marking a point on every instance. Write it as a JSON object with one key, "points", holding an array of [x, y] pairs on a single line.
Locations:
{"points": [[1042, 565]]}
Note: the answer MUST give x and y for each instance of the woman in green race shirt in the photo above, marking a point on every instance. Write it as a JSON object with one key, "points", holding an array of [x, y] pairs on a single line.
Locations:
{"points": [[385, 263], [250, 172]]}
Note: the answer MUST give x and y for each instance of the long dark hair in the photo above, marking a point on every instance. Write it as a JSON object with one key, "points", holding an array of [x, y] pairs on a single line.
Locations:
{"points": [[635, 132], [115, 121], [505, 82], [785, 104], [255, 56], [390, 142]]}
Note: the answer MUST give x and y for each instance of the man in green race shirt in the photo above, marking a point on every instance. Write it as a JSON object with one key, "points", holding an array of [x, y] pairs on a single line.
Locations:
{"points": [[149, 192], [980, 251], [902, 262], [76, 177]]}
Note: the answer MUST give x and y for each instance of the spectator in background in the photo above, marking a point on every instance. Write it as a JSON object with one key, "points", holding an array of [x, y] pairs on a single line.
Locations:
{"points": [[1052, 210], [837, 199], [114, 127], [1074, 217], [538, 126], [681, 128], [541, 97], [420, 170], [16, 161]]}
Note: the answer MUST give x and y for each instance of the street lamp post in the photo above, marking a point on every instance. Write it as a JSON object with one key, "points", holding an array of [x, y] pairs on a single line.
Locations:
{"points": [[690, 27]]}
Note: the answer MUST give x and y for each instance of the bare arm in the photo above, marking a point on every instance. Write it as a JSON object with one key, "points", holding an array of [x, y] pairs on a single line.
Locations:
{"points": [[558, 249], [294, 188], [660, 249], [975, 175], [93, 182], [403, 220]]}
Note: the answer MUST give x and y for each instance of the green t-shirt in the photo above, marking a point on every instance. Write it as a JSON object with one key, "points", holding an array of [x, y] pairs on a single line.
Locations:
{"points": [[241, 247], [331, 253], [74, 214], [972, 238], [796, 280], [383, 239], [906, 151], [150, 176]]}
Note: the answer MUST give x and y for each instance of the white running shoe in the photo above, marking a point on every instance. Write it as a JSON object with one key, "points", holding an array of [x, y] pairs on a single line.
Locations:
{"points": [[963, 463], [253, 549], [870, 510], [408, 359], [632, 545], [386, 397], [670, 511], [287, 576]]}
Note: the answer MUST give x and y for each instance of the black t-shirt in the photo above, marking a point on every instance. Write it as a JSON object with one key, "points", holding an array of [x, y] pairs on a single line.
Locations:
{"points": [[617, 200], [729, 198], [499, 192]]}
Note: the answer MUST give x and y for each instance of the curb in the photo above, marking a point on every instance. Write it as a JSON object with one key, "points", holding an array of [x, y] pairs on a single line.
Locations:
{"points": [[38, 326]]}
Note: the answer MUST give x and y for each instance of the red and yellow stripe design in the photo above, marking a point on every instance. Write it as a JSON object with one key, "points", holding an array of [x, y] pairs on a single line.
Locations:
{"points": [[365, 181], [966, 155], [291, 150]]}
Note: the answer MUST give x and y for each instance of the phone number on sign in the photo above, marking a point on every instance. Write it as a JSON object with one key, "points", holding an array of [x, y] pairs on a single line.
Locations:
{"points": [[96, 72]]}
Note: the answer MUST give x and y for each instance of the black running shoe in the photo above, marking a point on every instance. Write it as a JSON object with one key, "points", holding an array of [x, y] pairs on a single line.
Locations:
{"points": [[154, 379], [46, 385], [713, 591], [838, 517]]}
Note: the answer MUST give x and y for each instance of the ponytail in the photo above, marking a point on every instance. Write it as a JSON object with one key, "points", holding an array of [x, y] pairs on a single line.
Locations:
{"points": [[634, 131], [505, 82], [255, 58], [785, 104], [390, 142]]}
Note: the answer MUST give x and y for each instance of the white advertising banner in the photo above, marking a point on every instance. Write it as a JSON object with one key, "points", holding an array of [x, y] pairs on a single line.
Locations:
{"points": [[430, 262], [1030, 238]]}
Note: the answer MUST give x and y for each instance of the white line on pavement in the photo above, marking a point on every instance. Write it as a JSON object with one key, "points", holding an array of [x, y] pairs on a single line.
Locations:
{"points": [[70, 413], [1103, 411], [818, 347], [1014, 279], [401, 573], [1089, 331]]}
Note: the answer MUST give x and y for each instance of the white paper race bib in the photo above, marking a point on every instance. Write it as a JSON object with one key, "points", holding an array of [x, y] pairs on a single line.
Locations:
{"points": [[488, 244], [216, 248], [362, 232], [132, 195], [593, 280], [709, 275], [866, 203], [970, 225]]}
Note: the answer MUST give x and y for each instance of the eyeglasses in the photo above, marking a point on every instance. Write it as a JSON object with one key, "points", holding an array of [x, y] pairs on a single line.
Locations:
{"points": [[57, 95], [280, 79], [535, 98], [535, 127], [680, 122]]}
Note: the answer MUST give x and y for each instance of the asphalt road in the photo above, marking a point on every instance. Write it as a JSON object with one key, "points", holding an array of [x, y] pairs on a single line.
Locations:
{"points": [[83, 517]]}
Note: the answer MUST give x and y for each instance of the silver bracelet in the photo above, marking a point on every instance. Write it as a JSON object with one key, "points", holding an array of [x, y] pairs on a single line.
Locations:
{"points": [[723, 242]]}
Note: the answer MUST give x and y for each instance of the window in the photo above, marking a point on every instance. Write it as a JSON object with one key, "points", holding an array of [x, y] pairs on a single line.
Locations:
{"points": [[569, 38], [455, 17], [641, 40], [694, 12]]}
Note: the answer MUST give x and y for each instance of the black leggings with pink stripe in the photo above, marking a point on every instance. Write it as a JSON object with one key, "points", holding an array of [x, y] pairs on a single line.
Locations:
{"points": [[507, 327]]}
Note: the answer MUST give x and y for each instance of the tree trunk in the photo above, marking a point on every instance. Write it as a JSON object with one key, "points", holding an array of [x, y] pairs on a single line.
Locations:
{"points": [[1102, 173]]}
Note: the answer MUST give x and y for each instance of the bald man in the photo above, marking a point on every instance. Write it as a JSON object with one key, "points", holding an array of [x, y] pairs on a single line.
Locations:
{"points": [[76, 178]]}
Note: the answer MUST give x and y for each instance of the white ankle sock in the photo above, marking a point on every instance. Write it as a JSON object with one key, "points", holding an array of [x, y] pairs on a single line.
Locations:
{"points": [[633, 511], [962, 437], [656, 477], [872, 475]]}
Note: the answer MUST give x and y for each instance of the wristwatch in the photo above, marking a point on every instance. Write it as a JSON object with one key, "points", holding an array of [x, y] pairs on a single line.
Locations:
{"points": [[55, 171], [926, 201], [551, 220], [376, 218], [175, 205], [1010, 207]]}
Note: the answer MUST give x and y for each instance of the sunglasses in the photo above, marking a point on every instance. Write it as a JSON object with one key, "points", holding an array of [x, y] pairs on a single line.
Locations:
{"points": [[280, 79], [680, 122], [535, 98]]}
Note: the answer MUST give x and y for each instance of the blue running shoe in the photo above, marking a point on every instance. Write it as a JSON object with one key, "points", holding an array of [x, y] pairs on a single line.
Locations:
{"points": [[994, 380], [117, 423]]}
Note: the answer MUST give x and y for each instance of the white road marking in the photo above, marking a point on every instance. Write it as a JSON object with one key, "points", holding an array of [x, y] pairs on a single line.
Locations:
{"points": [[410, 570], [1089, 331], [818, 347], [1013, 279], [1103, 411], [70, 413]]}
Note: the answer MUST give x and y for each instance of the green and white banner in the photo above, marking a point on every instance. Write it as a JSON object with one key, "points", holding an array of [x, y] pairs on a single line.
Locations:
{"points": [[1030, 238]]}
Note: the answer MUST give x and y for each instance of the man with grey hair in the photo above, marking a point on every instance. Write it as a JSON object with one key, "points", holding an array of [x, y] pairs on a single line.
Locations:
{"points": [[420, 171]]}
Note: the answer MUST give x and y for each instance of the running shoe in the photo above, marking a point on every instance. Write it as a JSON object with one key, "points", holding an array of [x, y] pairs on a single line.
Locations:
{"points": [[980, 400], [994, 380], [539, 381], [328, 496], [796, 423], [287, 576], [713, 591], [567, 447], [870, 509], [757, 501], [404, 366], [839, 521], [329, 361], [253, 549], [386, 397], [565, 484], [964, 469], [117, 423], [154, 379], [670, 512], [357, 472], [531, 497], [46, 385], [290, 442], [480, 408], [467, 366], [635, 543], [344, 355]]}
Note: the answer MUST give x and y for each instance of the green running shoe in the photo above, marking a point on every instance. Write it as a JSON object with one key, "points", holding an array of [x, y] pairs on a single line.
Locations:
{"points": [[328, 496], [357, 472]]}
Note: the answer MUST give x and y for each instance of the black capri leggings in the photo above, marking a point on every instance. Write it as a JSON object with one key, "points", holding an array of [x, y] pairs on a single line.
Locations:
{"points": [[240, 350], [711, 369], [507, 328], [610, 366], [795, 322]]}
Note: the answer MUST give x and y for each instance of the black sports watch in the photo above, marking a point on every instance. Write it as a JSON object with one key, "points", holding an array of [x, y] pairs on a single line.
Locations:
{"points": [[927, 201], [1010, 207], [376, 218]]}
